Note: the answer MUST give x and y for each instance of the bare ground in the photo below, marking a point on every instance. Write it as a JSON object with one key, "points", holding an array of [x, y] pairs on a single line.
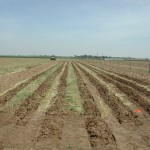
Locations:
{"points": [[8, 81], [109, 120]]}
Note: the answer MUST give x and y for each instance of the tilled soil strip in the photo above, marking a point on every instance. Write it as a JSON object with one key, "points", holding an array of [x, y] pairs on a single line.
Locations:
{"points": [[119, 110], [137, 86], [8, 95], [8, 81], [131, 78], [50, 132], [124, 137], [22, 95], [74, 133], [31, 112], [9, 73], [63, 129], [32, 103], [99, 134], [133, 95], [15, 70], [138, 100], [140, 81]]}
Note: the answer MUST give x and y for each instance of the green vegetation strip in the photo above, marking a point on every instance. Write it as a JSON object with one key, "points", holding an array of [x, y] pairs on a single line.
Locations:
{"points": [[72, 92], [28, 90], [47, 101]]}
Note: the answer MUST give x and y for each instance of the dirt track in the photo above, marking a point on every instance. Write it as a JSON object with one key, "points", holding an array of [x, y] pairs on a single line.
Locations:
{"points": [[49, 119]]}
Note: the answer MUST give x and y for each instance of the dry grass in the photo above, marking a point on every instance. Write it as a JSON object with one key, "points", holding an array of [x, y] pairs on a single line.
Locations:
{"points": [[72, 93], [9, 65], [28, 90]]}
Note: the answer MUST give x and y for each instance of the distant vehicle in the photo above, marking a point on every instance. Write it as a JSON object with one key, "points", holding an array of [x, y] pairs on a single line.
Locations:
{"points": [[53, 57]]}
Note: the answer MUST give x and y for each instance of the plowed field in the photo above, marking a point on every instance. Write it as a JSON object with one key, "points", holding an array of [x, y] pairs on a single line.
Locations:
{"points": [[74, 105]]}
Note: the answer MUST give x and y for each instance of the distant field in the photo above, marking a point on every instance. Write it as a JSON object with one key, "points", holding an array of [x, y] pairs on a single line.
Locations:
{"points": [[135, 66], [9, 65]]}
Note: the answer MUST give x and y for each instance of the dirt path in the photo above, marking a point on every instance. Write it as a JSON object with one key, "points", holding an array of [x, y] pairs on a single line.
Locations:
{"points": [[74, 134]]}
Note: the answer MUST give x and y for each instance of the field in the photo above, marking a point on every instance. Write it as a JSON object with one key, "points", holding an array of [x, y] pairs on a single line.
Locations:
{"points": [[12, 65], [138, 66], [74, 105]]}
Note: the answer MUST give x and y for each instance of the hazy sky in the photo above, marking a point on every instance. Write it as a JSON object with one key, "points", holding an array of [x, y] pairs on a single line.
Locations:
{"points": [[75, 27]]}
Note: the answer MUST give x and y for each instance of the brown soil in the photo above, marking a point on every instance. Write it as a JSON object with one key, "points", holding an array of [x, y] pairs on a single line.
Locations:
{"points": [[13, 124], [126, 82], [61, 128], [120, 112], [128, 136], [8, 95], [106, 123], [31, 104], [133, 91], [126, 73], [56, 110], [10, 80], [100, 135]]}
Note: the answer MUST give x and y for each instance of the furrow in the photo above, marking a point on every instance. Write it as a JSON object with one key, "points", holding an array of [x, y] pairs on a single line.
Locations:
{"points": [[32, 103], [132, 94], [74, 133], [9, 94], [32, 113], [141, 88], [131, 78], [50, 131], [7, 82], [120, 112], [127, 136], [100, 135]]}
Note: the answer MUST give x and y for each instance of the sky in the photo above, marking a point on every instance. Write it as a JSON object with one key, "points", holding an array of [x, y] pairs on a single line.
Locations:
{"points": [[75, 27]]}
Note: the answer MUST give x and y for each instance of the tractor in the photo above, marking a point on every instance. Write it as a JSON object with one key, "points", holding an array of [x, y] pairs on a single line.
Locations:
{"points": [[53, 57]]}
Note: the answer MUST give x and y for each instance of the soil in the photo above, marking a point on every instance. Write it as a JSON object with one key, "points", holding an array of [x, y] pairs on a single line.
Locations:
{"points": [[8, 81], [127, 73], [44, 121]]}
